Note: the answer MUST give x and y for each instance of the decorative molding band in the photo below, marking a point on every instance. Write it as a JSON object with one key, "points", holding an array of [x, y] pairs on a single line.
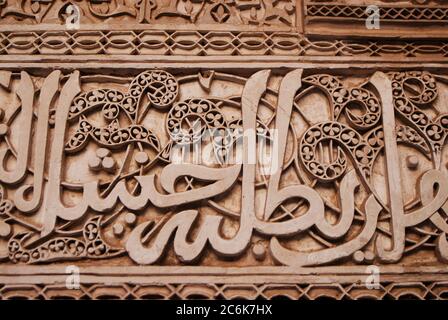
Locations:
{"points": [[224, 283], [386, 12], [209, 43], [435, 290]]}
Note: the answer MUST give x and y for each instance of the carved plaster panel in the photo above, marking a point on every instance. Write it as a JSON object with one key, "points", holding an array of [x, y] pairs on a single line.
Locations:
{"points": [[247, 160]]}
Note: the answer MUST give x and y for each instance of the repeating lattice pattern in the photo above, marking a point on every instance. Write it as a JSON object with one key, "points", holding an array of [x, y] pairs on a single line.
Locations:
{"points": [[386, 13], [392, 291], [213, 43]]}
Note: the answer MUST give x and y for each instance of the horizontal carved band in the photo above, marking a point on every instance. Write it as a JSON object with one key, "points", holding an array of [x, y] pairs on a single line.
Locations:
{"points": [[211, 43], [389, 12], [437, 290]]}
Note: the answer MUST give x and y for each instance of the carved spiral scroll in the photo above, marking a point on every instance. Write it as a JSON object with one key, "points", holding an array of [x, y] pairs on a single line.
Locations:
{"points": [[346, 99], [60, 248], [412, 91], [111, 136], [160, 86], [362, 152], [187, 120]]}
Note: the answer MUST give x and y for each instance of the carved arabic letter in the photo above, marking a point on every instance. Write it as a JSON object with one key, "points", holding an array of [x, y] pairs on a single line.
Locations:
{"points": [[431, 206], [209, 229], [47, 94], [384, 88], [5, 79], [250, 99], [275, 196], [347, 200], [224, 177], [118, 193], [181, 223], [288, 88], [299, 259], [431, 203], [54, 207], [25, 91]]}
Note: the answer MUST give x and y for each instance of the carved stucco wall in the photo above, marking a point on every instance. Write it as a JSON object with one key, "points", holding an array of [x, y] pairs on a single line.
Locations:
{"points": [[92, 119]]}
